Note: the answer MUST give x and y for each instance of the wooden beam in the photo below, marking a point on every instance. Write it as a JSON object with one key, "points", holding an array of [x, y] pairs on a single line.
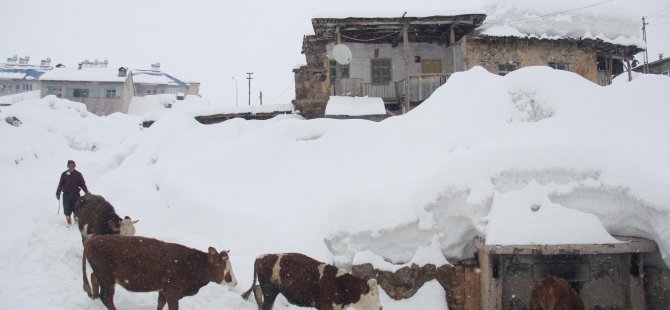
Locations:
{"points": [[405, 43]]}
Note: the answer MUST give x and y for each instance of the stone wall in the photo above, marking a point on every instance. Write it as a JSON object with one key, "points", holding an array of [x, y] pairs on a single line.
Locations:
{"points": [[460, 282], [311, 86], [489, 52]]}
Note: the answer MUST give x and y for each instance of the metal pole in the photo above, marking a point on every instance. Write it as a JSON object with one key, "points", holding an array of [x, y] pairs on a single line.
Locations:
{"points": [[261, 98], [250, 78], [234, 79], [645, 69]]}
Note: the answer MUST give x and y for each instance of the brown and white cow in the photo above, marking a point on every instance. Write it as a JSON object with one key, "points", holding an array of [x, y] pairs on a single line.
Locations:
{"points": [[145, 265], [96, 216], [553, 293], [307, 282]]}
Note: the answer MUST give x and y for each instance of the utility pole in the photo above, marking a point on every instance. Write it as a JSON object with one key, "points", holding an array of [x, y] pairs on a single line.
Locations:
{"points": [[261, 98], [250, 78], [645, 69]]}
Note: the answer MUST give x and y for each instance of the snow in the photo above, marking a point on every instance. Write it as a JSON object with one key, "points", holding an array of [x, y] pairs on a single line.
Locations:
{"points": [[152, 77], [84, 75], [537, 156], [154, 107], [355, 106], [557, 20], [10, 99]]}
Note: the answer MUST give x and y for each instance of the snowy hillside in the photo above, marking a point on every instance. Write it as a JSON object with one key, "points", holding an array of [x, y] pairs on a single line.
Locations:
{"points": [[537, 156]]}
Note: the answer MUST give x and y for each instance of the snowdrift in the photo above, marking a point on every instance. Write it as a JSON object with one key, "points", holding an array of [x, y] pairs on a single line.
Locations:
{"points": [[537, 156]]}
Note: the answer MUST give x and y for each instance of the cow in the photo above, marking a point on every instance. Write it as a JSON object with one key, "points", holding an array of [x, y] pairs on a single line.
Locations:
{"points": [[306, 282], [142, 264], [553, 293], [96, 216]]}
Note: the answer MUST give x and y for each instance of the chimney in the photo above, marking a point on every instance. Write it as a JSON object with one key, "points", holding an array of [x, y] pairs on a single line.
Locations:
{"points": [[104, 63], [46, 62], [156, 66], [122, 72], [660, 56]]}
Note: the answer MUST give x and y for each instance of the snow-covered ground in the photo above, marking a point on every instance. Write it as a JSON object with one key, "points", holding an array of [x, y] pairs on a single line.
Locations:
{"points": [[154, 107], [537, 156]]}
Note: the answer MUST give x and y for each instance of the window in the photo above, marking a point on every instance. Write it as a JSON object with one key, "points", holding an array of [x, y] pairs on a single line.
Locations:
{"points": [[151, 91], [380, 71], [503, 69], [80, 93], [53, 90], [110, 92], [431, 66], [344, 71], [559, 65]]}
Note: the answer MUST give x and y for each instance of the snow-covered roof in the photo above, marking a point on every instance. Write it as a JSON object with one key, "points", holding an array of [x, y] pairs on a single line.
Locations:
{"points": [[155, 77], [84, 75], [561, 20], [355, 106], [20, 73]]}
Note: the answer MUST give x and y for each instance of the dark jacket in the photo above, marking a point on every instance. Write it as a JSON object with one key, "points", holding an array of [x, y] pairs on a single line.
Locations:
{"points": [[70, 182]]}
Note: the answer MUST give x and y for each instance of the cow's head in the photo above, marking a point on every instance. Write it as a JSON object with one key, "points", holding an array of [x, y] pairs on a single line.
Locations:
{"points": [[127, 227], [114, 226], [369, 300], [223, 271]]}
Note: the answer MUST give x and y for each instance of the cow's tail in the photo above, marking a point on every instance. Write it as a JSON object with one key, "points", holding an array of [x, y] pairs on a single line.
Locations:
{"points": [[87, 287], [253, 283]]}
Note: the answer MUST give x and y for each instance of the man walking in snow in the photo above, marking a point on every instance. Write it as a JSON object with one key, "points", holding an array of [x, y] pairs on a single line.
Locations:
{"points": [[70, 182]]}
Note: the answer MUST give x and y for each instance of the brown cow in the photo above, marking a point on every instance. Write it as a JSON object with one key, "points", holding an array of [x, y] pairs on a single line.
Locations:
{"points": [[96, 216], [307, 282], [144, 265], [553, 293]]}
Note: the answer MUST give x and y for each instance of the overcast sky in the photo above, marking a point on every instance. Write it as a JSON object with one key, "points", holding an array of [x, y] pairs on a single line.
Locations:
{"points": [[212, 41]]}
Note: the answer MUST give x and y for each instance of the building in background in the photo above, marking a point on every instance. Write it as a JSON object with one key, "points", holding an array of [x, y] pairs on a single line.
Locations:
{"points": [[17, 75], [103, 90], [404, 59], [660, 66], [156, 82]]}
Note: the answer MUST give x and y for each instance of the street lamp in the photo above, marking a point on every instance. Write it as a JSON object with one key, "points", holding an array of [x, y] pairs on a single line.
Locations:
{"points": [[234, 79]]}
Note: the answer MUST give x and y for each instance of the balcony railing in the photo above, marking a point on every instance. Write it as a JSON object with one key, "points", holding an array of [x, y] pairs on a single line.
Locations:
{"points": [[421, 87]]}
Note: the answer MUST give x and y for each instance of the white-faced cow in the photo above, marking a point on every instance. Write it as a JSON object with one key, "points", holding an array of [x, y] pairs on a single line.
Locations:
{"points": [[96, 216], [553, 293], [307, 282], [145, 265]]}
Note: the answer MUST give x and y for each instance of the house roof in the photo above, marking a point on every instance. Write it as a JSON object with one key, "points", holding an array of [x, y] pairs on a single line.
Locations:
{"points": [[84, 75], [609, 24], [658, 62], [155, 77], [20, 73], [389, 29]]}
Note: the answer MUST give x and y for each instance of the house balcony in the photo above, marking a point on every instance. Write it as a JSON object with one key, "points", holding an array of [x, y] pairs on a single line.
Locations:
{"points": [[420, 88]]}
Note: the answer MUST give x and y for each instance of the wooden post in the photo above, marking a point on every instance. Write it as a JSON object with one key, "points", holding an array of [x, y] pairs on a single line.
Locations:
{"points": [[405, 42], [452, 43], [338, 36], [630, 75]]}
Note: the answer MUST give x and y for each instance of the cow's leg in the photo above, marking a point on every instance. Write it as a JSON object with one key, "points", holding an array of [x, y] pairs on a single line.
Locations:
{"points": [[173, 303], [95, 286], [270, 292], [161, 300], [258, 295], [107, 284]]}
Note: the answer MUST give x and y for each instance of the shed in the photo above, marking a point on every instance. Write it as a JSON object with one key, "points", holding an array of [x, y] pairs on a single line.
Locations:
{"points": [[606, 276]]}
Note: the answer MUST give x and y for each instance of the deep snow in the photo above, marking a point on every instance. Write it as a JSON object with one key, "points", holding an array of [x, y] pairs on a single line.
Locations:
{"points": [[537, 156]]}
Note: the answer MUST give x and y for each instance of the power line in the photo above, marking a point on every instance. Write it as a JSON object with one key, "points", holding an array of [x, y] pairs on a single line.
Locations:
{"points": [[547, 15], [661, 11]]}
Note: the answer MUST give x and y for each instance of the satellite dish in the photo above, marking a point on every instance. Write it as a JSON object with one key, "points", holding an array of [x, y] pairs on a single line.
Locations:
{"points": [[342, 54]]}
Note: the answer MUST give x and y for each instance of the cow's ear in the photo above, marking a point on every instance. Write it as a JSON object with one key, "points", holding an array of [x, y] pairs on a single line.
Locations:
{"points": [[212, 251], [372, 283]]}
